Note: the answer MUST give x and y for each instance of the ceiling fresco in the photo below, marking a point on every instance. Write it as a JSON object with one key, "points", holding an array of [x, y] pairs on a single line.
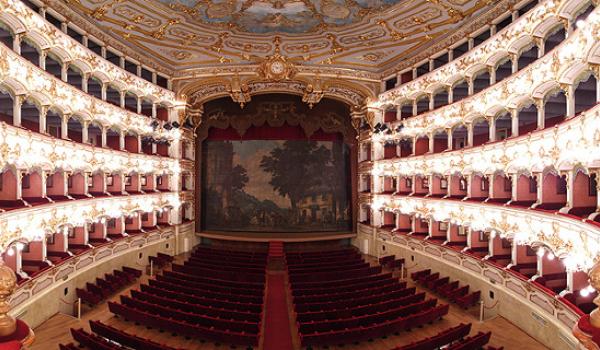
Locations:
{"points": [[279, 16], [189, 37]]}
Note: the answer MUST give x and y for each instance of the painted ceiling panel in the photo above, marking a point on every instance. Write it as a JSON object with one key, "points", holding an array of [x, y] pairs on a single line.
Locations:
{"points": [[369, 35]]}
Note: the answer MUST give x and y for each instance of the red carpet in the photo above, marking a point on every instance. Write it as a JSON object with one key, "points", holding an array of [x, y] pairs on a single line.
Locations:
{"points": [[277, 323]]}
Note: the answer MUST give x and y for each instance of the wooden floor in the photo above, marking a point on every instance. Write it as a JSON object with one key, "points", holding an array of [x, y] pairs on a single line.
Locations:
{"points": [[56, 330]]}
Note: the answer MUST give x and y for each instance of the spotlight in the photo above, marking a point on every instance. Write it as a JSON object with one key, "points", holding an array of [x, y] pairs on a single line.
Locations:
{"points": [[175, 125], [167, 126]]}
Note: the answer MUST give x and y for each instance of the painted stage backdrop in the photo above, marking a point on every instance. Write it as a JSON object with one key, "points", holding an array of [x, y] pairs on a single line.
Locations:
{"points": [[276, 186]]}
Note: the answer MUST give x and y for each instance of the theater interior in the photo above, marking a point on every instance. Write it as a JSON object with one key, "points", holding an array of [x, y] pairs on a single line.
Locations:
{"points": [[299, 174]]}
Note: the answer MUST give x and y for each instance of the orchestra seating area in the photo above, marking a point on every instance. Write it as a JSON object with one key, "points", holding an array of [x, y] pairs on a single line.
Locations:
{"points": [[94, 293], [450, 290], [215, 295], [341, 299]]}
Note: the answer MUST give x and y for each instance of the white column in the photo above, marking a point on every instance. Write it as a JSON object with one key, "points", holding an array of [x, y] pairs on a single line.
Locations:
{"points": [[122, 99], [431, 142], [540, 187], [64, 127], [154, 77], [139, 144], [44, 175], [570, 96], [470, 132], [121, 140], [139, 105], [492, 126], [154, 111], [17, 104], [492, 72], [104, 131], [17, 43], [514, 186], [414, 107], [122, 62], [43, 116], [84, 131], [470, 86], [514, 118], [514, 63], [103, 91], [450, 141], [42, 59], [541, 113], [64, 71], [570, 186], [431, 101], [85, 78], [450, 95], [469, 179]]}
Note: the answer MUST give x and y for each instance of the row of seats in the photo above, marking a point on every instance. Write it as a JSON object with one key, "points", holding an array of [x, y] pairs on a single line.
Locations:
{"points": [[203, 298], [107, 337], [94, 293], [339, 298], [443, 286], [454, 338]]}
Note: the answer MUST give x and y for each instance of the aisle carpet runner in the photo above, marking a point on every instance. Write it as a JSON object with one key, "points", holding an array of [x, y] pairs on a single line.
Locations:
{"points": [[277, 323]]}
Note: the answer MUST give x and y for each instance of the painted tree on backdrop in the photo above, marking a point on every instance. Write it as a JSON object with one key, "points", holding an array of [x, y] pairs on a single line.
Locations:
{"points": [[296, 170]]}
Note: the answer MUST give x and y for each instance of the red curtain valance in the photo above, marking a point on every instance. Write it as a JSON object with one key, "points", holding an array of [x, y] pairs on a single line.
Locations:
{"points": [[266, 132]]}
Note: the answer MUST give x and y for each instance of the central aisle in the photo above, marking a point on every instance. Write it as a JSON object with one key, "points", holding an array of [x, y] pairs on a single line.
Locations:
{"points": [[277, 323]]}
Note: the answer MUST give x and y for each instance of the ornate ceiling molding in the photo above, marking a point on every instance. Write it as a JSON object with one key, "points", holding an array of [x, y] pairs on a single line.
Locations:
{"points": [[177, 41]]}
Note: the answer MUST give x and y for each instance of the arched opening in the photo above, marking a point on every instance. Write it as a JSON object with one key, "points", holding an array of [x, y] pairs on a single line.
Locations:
{"points": [[406, 110], [440, 141], [132, 183], [6, 107], [557, 36], [9, 198], [53, 65], [421, 145], [584, 12], [527, 57], [77, 186], [501, 190], [503, 126], [481, 132], [525, 261], [162, 113], [457, 237], [75, 77], [30, 52], [33, 258], [554, 195], [422, 104], [555, 109], [421, 228], [479, 244], [439, 232], [438, 186], [6, 36], [526, 194], [94, 134], [459, 137], [95, 87], [553, 274], [481, 81], [32, 189], [113, 139], [57, 244], [112, 95], [528, 119], [388, 221], [504, 69], [131, 102], [458, 186], [406, 147], [131, 142], [75, 129], [480, 187], [389, 150], [146, 107], [96, 184], [421, 185], [586, 94], [500, 252], [585, 195], [460, 90], [114, 184], [54, 123], [147, 145], [440, 98], [55, 187], [30, 116]]}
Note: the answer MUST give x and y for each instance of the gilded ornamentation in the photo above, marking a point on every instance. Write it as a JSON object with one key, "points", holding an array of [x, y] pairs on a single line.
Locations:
{"points": [[8, 284]]}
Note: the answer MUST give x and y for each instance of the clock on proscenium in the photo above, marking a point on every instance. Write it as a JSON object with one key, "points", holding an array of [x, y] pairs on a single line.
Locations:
{"points": [[276, 68]]}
